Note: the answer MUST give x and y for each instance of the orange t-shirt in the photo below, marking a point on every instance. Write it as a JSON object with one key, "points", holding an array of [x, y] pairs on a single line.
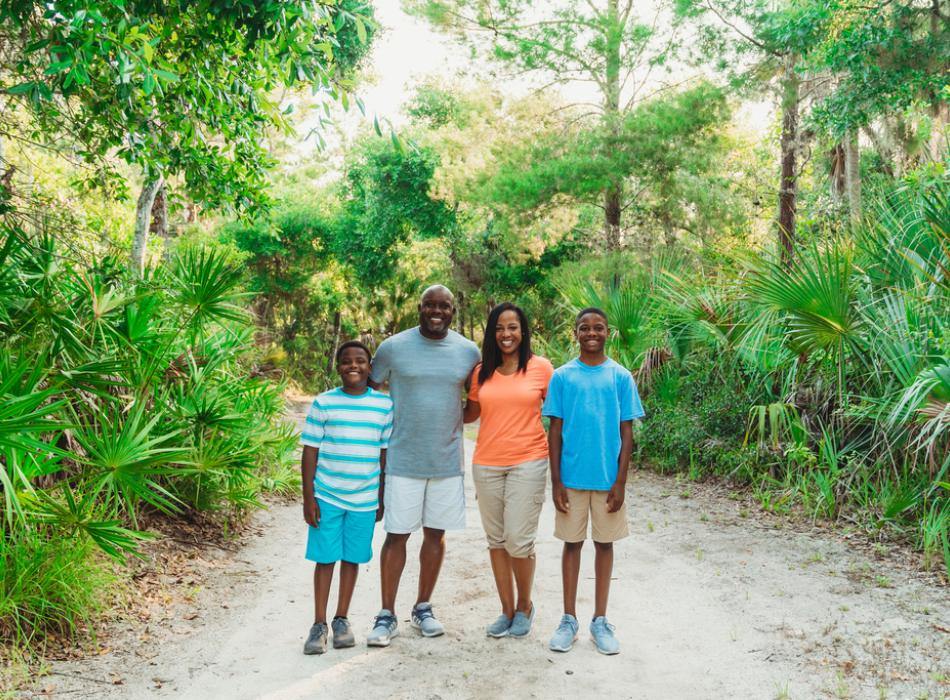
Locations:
{"points": [[510, 431]]}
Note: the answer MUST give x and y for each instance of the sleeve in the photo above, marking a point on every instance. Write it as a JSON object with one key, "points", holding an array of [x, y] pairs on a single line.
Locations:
{"points": [[381, 365], [314, 426], [545, 371], [552, 404], [473, 387], [387, 431], [630, 406]]}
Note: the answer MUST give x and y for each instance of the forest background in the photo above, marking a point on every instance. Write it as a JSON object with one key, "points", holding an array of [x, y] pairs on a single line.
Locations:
{"points": [[196, 208]]}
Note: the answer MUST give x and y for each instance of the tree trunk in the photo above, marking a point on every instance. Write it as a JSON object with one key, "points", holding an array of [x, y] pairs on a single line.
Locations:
{"points": [[852, 174], [337, 324], [143, 214], [886, 151], [837, 177], [939, 118], [613, 197], [788, 186], [159, 226]]}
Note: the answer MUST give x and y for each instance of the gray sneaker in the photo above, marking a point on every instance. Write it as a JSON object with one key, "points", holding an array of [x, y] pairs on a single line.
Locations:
{"points": [[317, 639], [385, 629], [565, 634], [423, 619], [342, 633], [521, 623], [499, 628]]}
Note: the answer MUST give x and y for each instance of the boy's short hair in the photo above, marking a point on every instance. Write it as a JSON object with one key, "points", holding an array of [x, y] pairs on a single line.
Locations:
{"points": [[353, 344], [590, 310]]}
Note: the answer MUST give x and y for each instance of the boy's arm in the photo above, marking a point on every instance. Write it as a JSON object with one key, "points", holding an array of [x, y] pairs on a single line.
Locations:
{"points": [[308, 468], [554, 456], [617, 492], [382, 484]]}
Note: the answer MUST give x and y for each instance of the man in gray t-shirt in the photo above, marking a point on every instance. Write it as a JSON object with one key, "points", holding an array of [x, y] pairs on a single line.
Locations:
{"points": [[427, 368]]}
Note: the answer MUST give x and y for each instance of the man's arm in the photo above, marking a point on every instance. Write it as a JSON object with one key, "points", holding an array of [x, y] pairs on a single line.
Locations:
{"points": [[382, 484], [617, 492], [308, 468], [554, 456]]}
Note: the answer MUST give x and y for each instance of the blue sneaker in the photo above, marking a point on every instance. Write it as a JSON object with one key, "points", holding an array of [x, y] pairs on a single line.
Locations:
{"points": [[565, 634], [385, 629], [317, 639], [521, 623], [423, 619], [499, 628], [602, 633]]}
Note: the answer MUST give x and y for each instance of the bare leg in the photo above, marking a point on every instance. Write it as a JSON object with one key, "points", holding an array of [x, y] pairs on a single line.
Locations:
{"points": [[501, 563], [392, 560], [348, 574], [603, 569], [430, 562], [322, 577], [523, 569], [570, 572]]}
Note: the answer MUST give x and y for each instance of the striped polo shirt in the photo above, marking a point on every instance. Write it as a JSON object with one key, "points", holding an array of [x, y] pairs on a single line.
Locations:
{"points": [[349, 431]]}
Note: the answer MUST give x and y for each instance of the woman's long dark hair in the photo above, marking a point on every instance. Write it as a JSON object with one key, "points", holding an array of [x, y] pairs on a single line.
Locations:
{"points": [[491, 353]]}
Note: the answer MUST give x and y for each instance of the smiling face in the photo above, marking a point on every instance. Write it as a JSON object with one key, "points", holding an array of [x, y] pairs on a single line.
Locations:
{"points": [[435, 312], [353, 368], [508, 333], [591, 332]]}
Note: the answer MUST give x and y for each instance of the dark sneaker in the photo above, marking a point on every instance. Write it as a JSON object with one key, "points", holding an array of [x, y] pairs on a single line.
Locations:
{"points": [[385, 628], [565, 634], [342, 633], [521, 623], [499, 628], [602, 632], [317, 639], [423, 619]]}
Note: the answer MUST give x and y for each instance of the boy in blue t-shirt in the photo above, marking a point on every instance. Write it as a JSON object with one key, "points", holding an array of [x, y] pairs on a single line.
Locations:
{"points": [[592, 403], [345, 440]]}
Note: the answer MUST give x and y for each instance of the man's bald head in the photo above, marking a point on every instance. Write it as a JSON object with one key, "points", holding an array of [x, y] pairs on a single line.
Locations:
{"points": [[437, 288], [436, 310]]}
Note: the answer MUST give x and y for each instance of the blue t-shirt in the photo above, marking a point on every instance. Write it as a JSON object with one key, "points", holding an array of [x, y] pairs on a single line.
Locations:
{"points": [[592, 401]]}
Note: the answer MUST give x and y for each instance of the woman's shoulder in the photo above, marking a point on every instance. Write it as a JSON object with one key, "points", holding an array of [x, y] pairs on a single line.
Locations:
{"points": [[541, 364]]}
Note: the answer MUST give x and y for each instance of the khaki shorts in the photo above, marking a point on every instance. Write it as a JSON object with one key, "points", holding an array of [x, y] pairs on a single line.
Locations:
{"points": [[605, 527], [510, 501]]}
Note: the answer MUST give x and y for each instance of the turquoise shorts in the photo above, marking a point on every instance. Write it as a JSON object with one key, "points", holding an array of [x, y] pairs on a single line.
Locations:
{"points": [[343, 535]]}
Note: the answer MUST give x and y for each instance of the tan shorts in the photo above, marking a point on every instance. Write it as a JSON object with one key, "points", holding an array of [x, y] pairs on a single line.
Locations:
{"points": [[510, 500], [605, 527]]}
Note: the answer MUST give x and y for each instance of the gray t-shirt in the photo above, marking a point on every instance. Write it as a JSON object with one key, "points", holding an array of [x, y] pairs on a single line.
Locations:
{"points": [[426, 378]]}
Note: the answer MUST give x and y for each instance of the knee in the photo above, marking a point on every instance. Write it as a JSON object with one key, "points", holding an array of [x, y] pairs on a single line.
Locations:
{"points": [[396, 540], [604, 546], [431, 535], [573, 547], [519, 550]]}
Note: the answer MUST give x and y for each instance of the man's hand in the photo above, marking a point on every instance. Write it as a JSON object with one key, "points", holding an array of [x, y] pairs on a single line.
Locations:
{"points": [[560, 497], [379, 511], [311, 512], [615, 497]]}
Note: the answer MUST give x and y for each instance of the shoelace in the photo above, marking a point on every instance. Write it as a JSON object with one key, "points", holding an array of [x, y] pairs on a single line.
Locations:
{"points": [[383, 619], [425, 614]]}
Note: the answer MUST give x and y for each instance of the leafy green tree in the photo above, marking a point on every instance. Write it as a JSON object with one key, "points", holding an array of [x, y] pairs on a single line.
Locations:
{"points": [[602, 43], [178, 89]]}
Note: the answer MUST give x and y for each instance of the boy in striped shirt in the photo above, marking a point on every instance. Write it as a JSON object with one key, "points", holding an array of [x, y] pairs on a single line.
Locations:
{"points": [[344, 453]]}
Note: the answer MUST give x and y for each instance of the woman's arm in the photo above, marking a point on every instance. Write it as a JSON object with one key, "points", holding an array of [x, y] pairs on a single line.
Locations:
{"points": [[472, 411]]}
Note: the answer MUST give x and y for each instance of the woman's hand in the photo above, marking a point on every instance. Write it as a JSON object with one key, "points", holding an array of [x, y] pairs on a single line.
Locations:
{"points": [[311, 512]]}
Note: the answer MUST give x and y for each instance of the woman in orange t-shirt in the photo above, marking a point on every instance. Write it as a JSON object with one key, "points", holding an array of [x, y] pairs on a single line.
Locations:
{"points": [[510, 464]]}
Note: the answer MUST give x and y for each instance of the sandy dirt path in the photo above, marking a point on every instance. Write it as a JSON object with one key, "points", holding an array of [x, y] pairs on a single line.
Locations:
{"points": [[708, 603]]}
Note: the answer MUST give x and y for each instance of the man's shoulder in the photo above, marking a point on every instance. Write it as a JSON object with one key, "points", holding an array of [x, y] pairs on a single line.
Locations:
{"points": [[457, 338], [399, 338]]}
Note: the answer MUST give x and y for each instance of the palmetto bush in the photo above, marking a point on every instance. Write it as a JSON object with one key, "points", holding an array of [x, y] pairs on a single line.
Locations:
{"points": [[118, 395], [841, 357]]}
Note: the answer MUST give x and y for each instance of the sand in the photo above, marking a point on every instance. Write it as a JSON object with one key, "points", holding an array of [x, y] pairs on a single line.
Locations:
{"points": [[709, 601]]}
